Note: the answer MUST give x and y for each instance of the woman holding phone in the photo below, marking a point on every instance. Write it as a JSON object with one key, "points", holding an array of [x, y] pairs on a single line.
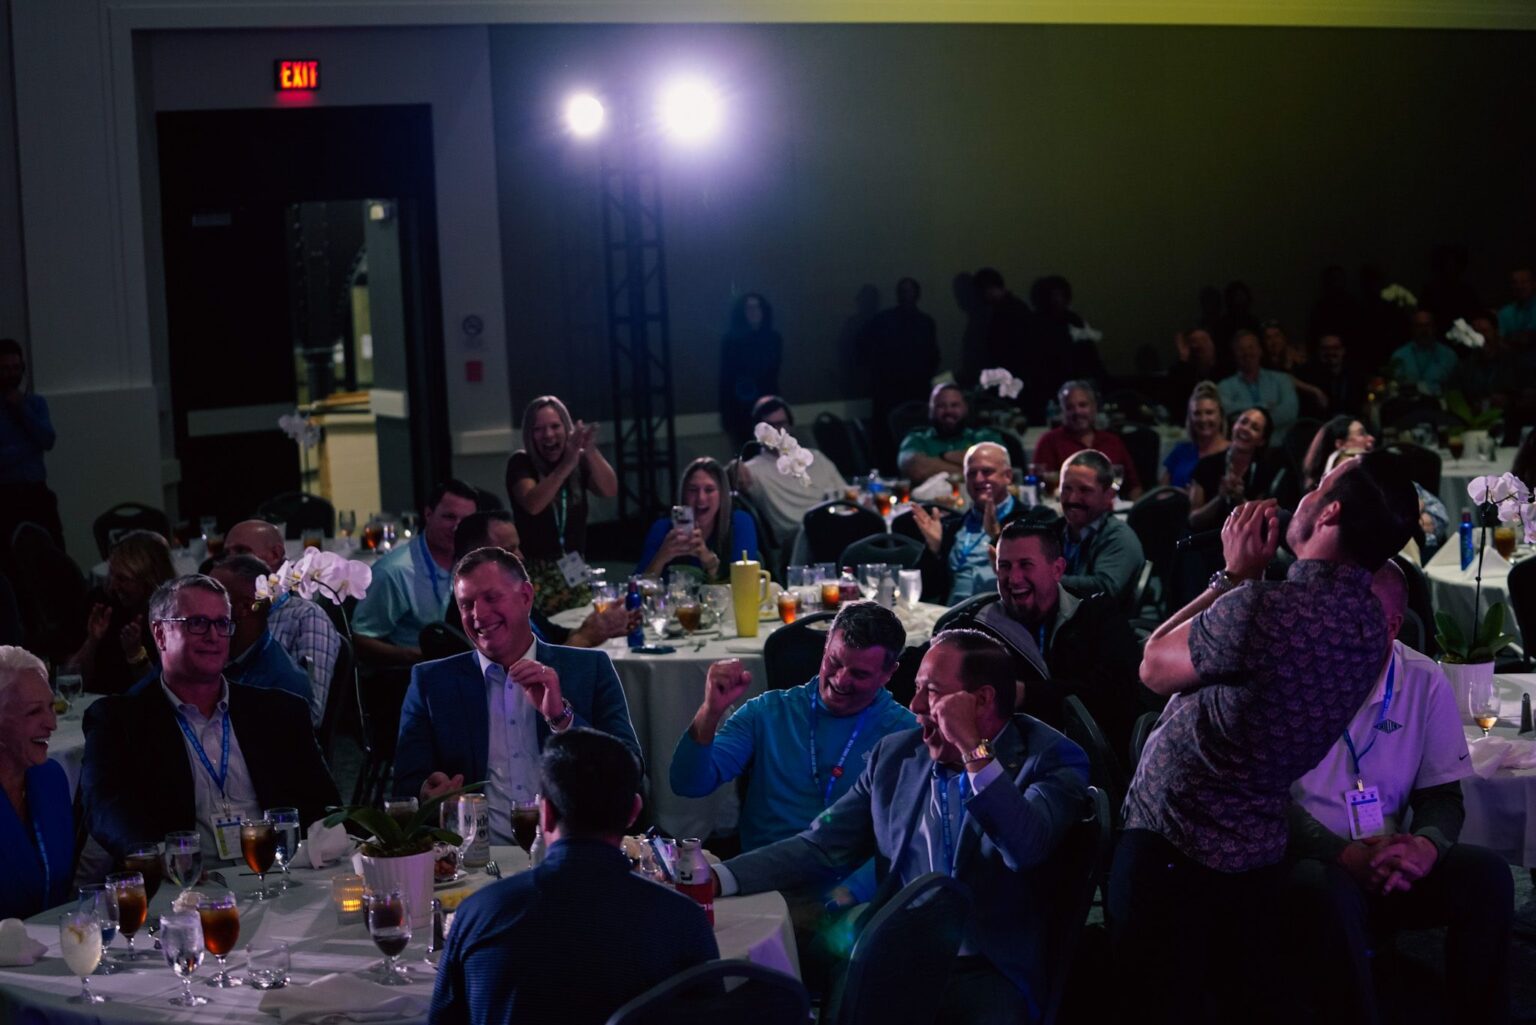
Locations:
{"points": [[703, 535]]}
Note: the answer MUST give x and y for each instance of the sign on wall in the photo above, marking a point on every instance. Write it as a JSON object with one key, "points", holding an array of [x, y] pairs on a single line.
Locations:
{"points": [[297, 75]]}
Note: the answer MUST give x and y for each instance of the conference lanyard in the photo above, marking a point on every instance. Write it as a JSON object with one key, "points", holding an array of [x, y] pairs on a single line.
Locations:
{"points": [[432, 573], [560, 516], [222, 775], [42, 849], [949, 840], [836, 772], [1042, 640], [1376, 731], [959, 556]]}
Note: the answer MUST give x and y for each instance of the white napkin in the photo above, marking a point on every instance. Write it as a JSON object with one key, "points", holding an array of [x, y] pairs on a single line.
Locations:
{"points": [[933, 488], [1490, 754], [1494, 564], [16, 947], [345, 996], [325, 844]]}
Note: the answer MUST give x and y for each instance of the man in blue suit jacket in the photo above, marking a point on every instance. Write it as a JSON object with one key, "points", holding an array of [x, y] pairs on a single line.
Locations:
{"points": [[975, 792], [486, 714], [518, 947]]}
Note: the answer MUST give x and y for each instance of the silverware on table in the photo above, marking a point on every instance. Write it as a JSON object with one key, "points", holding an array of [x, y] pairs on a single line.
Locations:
{"points": [[492, 869]]}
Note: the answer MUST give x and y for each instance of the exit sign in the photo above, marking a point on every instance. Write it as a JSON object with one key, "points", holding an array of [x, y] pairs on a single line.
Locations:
{"points": [[297, 76]]}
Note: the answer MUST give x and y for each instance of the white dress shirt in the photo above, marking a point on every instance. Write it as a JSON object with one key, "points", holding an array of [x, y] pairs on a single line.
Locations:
{"points": [[238, 799], [512, 758]]}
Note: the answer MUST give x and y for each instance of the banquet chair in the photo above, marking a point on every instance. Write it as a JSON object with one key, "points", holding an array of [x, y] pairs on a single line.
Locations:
{"points": [[1421, 603], [1140, 731], [901, 955], [1076, 868], [1144, 445], [792, 654], [126, 516], [51, 593], [299, 512], [1079, 726], [1522, 595], [842, 444], [697, 996], [832, 526], [343, 690], [892, 548], [907, 417], [1018, 455], [1423, 464], [439, 640], [770, 550], [1158, 519]]}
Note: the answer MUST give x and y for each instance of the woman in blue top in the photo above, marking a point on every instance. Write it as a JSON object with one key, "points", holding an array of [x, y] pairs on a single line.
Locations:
{"points": [[37, 826], [718, 537], [1206, 423]]}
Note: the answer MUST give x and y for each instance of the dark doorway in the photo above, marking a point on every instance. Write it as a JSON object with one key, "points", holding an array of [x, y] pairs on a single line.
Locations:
{"points": [[286, 233]]}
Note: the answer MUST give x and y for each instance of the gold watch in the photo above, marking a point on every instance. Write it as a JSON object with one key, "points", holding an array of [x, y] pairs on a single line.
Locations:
{"points": [[980, 752]]}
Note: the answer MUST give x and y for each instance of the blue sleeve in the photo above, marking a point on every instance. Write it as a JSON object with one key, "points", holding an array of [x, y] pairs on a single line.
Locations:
{"points": [[653, 539], [698, 769], [382, 607], [743, 537], [414, 752]]}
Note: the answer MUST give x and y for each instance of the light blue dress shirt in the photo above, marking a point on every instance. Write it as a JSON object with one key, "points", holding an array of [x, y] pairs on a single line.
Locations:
{"points": [[409, 590], [512, 756]]}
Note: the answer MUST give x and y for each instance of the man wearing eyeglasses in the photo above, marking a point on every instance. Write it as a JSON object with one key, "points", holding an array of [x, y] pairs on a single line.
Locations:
{"points": [[193, 750]]}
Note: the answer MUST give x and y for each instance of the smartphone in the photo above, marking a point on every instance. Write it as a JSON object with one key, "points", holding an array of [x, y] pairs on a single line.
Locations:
{"points": [[682, 517]]}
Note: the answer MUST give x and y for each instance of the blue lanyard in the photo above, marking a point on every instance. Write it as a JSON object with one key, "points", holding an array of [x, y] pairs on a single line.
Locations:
{"points": [[432, 573], [42, 849], [1042, 640], [836, 772], [560, 516], [1386, 705], [942, 781], [958, 555], [222, 775]]}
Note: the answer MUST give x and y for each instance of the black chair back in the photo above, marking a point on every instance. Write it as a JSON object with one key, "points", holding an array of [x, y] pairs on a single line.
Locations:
{"points": [[1018, 455], [299, 511], [343, 691], [50, 593], [792, 654], [1422, 605], [1298, 438], [1144, 445], [893, 548], [907, 417], [902, 523], [770, 550], [1078, 867], [841, 443], [832, 526], [697, 996], [1140, 731], [126, 516], [1079, 726], [1423, 464], [1411, 632], [901, 959], [1158, 519], [439, 640], [1522, 595]]}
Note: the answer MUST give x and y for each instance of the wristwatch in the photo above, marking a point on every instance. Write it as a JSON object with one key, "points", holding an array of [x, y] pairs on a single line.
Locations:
{"points": [[1221, 581], [980, 752], [562, 720]]}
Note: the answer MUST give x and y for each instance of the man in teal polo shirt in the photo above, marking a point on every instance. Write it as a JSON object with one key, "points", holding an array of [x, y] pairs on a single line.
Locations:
{"points": [[941, 448]]}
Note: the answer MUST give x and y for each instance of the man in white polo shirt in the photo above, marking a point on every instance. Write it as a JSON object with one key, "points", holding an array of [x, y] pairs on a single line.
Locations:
{"points": [[1355, 872]]}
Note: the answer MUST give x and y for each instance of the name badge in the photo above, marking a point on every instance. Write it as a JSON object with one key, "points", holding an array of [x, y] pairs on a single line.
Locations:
{"points": [[1365, 815], [574, 568], [226, 834]]}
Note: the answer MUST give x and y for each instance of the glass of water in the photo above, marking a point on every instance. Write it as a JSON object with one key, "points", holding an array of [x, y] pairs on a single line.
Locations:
{"points": [[181, 938], [70, 686], [286, 822], [911, 582]]}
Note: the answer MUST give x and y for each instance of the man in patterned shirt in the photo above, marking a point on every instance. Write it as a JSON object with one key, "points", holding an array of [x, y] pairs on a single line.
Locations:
{"points": [[1263, 676]]}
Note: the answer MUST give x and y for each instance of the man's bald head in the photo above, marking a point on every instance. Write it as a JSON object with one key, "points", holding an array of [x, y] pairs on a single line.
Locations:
{"points": [[1390, 587], [258, 538], [987, 472]]}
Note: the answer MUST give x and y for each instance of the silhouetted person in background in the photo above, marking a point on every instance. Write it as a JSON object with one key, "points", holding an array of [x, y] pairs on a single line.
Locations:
{"points": [[1057, 327], [1335, 311], [1448, 292], [900, 349], [750, 355], [1383, 324], [1007, 326], [26, 433], [1237, 315], [854, 371]]}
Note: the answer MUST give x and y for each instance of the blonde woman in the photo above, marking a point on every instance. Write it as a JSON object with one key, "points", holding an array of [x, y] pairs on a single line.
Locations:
{"points": [[117, 652], [1204, 419]]}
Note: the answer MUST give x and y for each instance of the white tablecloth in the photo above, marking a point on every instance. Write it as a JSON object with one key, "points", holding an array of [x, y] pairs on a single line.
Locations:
{"points": [[185, 562], [1501, 810], [664, 691], [1451, 588], [756, 928], [67, 745], [1456, 474]]}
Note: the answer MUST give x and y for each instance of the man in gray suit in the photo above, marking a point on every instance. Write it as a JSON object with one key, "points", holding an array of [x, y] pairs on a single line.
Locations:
{"points": [[486, 714], [976, 792]]}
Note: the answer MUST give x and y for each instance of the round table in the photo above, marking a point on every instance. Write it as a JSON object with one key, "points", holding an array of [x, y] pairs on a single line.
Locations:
{"points": [[1451, 588], [1456, 474], [185, 562], [664, 691], [757, 928], [1501, 807]]}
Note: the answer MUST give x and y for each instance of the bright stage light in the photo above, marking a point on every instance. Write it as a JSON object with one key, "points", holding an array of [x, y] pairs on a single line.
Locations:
{"points": [[690, 110], [584, 115]]}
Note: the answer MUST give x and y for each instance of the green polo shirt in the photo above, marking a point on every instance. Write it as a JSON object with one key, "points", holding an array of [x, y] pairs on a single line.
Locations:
{"points": [[925, 441]]}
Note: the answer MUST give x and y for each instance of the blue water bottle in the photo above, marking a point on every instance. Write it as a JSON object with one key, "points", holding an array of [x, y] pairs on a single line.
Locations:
{"points": [[1029, 493], [1468, 551], [632, 601]]}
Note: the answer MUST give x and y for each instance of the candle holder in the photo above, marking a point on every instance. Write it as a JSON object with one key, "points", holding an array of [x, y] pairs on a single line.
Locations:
{"points": [[347, 896]]}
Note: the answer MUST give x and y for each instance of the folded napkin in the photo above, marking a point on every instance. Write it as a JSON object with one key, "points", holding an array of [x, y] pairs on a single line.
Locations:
{"points": [[346, 996], [1490, 754], [933, 488], [16, 947], [1494, 564], [325, 844], [745, 646]]}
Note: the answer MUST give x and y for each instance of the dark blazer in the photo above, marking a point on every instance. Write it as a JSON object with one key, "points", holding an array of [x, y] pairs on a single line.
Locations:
{"points": [[32, 879], [443, 723], [1011, 828], [571, 942], [137, 778]]}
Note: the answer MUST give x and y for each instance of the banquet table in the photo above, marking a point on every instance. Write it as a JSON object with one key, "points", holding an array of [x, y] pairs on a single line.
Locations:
{"points": [[1456, 474], [756, 928], [186, 561], [1501, 807], [664, 691], [1452, 589]]}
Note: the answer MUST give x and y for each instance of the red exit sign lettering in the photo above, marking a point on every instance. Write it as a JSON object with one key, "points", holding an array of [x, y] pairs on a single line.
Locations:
{"points": [[298, 76]]}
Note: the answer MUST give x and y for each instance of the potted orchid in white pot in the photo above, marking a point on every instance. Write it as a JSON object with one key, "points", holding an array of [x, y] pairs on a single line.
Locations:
{"points": [[1467, 653]]}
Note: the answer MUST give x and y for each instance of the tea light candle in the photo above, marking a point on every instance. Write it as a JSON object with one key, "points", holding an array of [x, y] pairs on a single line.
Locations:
{"points": [[347, 895]]}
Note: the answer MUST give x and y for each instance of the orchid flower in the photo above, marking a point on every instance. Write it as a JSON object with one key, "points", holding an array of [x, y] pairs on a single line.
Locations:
{"points": [[1462, 333]]}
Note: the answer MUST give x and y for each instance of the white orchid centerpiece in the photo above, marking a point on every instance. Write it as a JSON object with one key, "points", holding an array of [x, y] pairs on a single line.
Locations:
{"points": [[315, 573], [794, 460], [302, 430], [1007, 385], [1501, 499], [1462, 334], [1399, 296]]}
